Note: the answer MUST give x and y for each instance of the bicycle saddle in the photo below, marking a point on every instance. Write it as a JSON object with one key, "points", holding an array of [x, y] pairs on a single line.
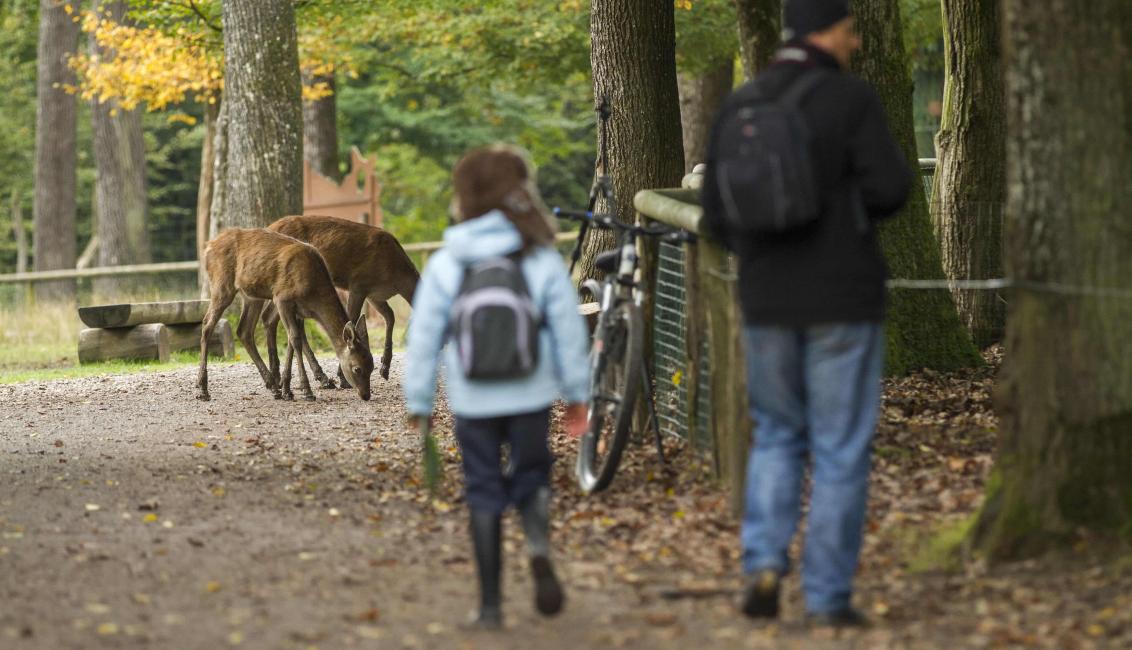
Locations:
{"points": [[607, 262]]}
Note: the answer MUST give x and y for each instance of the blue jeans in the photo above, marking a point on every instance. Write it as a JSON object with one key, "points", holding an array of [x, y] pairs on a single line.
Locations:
{"points": [[814, 392]]}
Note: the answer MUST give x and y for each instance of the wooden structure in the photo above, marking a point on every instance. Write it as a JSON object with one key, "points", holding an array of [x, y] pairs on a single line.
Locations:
{"points": [[148, 331], [348, 200]]}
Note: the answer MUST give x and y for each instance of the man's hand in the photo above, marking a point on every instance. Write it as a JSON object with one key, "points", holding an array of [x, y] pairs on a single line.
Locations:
{"points": [[577, 419]]}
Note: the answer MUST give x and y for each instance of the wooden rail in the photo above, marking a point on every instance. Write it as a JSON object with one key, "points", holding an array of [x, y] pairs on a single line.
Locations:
{"points": [[425, 248]]}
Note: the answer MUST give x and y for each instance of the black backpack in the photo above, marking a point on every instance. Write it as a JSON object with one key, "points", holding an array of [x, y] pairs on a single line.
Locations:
{"points": [[764, 170], [494, 321]]}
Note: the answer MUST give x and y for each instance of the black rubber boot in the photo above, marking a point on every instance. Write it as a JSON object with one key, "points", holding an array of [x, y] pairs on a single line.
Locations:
{"points": [[535, 513], [486, 541]]}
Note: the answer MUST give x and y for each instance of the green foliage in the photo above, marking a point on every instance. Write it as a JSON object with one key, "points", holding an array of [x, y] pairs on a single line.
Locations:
{"points": [[18, 30], [923, 33], [706, 34]]}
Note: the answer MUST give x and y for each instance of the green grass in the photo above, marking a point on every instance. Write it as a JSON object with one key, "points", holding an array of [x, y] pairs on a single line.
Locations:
{"points": [[177, 360], [941, 549], [39, 343]]}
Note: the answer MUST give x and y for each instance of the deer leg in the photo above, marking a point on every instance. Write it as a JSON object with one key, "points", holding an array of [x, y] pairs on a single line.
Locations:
{"points": [[245, 331], [221, 297], [386, 312], [304, 345], [293, 325], [319, 375], [270, 318]]}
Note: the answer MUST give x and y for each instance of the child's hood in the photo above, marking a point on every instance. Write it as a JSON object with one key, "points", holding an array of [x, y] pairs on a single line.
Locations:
{"points": [[490, 235]]}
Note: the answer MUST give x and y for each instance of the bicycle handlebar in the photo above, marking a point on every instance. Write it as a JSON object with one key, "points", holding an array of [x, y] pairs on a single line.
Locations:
{"points": [[606, 222]]}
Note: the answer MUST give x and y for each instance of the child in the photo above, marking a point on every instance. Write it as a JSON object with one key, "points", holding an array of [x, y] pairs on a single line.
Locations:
{"points": [[501, 225]]}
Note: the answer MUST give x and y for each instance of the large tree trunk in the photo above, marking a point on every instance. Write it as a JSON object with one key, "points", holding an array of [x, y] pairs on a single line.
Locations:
{"points": [[970, 183], [700, 98], [1065, 451], [120, 183], [634, 65], [55, 153], [320, 129], [760, 28], [205, 186], [923, 327], [260, 177]]}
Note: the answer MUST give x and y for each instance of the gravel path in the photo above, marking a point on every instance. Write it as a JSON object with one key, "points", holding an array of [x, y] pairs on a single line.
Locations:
{"points": [[133, 515]]}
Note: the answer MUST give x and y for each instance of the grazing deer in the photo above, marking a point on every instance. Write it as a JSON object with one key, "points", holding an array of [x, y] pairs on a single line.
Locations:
{"points": [[263, 265], [364, 260]]}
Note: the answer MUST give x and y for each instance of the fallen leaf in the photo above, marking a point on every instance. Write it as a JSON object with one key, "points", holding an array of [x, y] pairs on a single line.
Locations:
{"points": [[212, 586]]}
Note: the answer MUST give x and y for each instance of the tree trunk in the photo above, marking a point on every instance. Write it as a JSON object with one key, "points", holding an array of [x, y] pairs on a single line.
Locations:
{"points": [[700, 98], [17, 210], [760, 28], [55, 153], [634, 65], [970, 183], [923, 327], [1065, 454], [120, 183], [205, 187], [320, 129], [260, 178]]}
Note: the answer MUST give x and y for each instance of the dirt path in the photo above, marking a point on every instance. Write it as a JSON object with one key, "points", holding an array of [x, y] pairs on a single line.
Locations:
{"points": [[133, 515]]}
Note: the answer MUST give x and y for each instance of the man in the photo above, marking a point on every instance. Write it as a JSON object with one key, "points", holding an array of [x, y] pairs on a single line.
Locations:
{"points": [[813, 304]]}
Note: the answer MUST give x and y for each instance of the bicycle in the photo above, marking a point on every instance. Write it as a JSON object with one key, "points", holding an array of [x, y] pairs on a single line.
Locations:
{"points": [[617, 367]]}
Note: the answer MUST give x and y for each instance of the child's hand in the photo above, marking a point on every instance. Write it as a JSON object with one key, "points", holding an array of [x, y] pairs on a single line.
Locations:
{"points": [[577, 419]]}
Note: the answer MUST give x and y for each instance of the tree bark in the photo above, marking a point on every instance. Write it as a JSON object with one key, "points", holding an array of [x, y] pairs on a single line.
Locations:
{"points": [[970, 183], [700, 98], [55, 153], [1064, 460], [923, 328], [260, 174], [205, 186], [320, 129], [760, 29], [633, 57], [120, 181]]}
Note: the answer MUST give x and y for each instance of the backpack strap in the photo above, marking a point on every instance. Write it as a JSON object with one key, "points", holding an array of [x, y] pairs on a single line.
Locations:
{"points": [[797, 91]]}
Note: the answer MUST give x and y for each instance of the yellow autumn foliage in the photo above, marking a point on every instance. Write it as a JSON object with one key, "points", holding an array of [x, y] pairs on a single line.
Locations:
{"points": [[147, 67], [157, 69]]}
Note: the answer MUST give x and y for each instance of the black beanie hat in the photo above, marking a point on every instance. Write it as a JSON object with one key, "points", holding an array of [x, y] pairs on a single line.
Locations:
{"points": [[808, 16]]}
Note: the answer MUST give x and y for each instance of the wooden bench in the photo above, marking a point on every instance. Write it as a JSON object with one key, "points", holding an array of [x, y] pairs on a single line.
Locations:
{"points": [[148, 331]]}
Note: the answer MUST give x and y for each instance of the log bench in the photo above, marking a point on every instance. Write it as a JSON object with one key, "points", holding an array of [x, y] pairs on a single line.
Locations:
{"points": [[148, 331]]}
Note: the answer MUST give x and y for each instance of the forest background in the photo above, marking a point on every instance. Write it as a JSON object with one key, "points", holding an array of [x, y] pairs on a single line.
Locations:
{"points": [[416, 83]]}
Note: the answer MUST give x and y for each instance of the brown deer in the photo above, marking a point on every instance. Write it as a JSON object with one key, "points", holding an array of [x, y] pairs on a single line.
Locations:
{"points": [[264, 265], [364, 260]]}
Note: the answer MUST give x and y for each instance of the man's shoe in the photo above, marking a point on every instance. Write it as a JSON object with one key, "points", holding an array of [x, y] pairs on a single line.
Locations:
{"points": [[838, 619], [760, 600]]}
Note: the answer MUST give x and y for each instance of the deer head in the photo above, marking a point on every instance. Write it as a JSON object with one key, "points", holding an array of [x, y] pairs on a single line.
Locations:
{"points": [[355, 358]]}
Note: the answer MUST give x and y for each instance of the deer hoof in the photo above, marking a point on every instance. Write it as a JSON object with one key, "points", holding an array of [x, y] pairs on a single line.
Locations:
{"points": [[288, 397], [385, 372], [278, 394], [204, 396], [309, 397], [328, 384]]}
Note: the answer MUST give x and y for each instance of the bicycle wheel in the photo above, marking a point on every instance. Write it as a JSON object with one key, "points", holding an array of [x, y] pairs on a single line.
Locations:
{"points": [[616, 383]]}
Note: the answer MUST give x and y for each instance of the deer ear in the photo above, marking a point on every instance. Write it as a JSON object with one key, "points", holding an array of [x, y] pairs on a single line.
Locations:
{"points": [[360, 329], [348, 333]]}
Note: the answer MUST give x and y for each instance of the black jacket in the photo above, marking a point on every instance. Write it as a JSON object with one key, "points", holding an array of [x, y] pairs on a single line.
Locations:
{"points": [[833, 269]]}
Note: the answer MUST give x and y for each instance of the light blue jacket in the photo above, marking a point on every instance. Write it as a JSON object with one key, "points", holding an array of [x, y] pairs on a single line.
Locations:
{"points": [[563, 368]]}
